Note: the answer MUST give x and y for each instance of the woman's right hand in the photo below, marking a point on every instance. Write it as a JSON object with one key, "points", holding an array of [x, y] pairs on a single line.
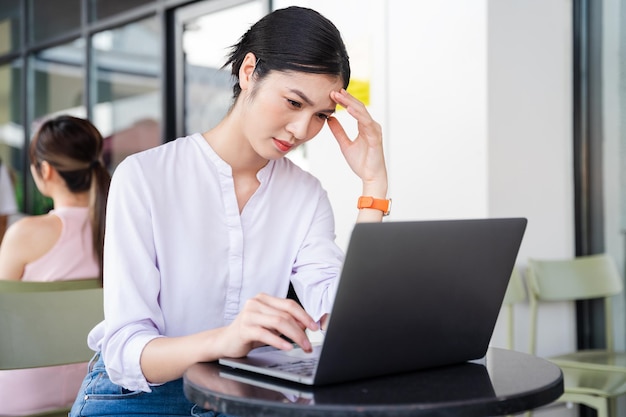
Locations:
{"points": [[262, 321]]}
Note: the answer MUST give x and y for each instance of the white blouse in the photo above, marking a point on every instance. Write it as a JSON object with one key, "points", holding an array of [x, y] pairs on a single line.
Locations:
{"points": [[180, 259]]}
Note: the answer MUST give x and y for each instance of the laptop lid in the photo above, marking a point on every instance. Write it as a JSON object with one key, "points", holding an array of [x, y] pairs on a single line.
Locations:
{"points": [[415, 295]]}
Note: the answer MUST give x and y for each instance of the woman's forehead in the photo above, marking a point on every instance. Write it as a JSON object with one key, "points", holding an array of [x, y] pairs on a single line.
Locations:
{"points": [[315, 87]]}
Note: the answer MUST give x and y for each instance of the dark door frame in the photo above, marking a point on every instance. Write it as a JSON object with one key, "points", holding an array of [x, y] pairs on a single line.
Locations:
{"points": [[588, 148], [588, 162]]}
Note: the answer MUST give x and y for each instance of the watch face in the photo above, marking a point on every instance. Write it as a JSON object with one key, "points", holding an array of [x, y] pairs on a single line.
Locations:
{"points": [[388, 208]]}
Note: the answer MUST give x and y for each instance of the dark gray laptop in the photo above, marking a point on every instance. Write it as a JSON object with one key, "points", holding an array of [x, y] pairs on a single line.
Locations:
{"points": [[412, 295]]}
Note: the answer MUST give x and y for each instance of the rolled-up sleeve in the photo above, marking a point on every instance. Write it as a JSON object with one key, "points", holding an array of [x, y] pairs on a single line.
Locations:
{"points": [[318, 262]]}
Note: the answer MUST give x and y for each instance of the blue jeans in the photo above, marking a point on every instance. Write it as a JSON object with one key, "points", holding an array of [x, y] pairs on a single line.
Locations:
{"points": [[98, 396]]}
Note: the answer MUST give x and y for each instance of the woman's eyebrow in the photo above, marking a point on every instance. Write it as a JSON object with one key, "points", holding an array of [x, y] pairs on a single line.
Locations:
{"points": [[308, 101]]}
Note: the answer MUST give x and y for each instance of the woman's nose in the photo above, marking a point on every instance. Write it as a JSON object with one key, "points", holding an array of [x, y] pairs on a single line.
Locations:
{"points": [[299, 127]]}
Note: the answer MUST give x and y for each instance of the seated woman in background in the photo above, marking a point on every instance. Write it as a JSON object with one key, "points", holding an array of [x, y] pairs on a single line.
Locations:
{"points": [[65, 244]]}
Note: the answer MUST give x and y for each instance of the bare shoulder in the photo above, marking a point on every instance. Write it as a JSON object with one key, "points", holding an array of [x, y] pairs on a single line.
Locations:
{"points": [[34, 235], [45, 223]]}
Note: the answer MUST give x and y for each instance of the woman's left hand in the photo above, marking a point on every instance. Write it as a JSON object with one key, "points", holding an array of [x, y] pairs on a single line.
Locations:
{"points": [[364, 154]]}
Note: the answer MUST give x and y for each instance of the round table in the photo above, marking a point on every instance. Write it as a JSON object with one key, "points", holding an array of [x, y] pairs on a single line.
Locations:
{"points": [[505, 382]]}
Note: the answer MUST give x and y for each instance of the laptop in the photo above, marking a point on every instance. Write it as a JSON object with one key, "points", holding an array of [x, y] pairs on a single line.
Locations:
{"points": [[412, 295]]}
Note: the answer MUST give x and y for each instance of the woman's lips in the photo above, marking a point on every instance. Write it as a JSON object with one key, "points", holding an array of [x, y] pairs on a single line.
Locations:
{"points": [[282, 145]]}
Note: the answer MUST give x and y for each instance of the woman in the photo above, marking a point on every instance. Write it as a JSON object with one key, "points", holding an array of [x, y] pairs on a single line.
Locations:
{"points": [[65, 244], [205, 233]]}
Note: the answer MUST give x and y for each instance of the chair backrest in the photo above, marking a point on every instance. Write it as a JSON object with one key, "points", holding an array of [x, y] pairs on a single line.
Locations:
{"points": [[515, 293], [30, 286], [580, 278], [46, 324]]}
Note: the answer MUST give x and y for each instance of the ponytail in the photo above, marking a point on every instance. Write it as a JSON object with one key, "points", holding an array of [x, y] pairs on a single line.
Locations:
{"points": [[98, 194]]}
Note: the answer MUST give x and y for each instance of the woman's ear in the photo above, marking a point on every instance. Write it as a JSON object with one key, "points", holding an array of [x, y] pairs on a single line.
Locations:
{"points": [[46, 170], [246, 71]]}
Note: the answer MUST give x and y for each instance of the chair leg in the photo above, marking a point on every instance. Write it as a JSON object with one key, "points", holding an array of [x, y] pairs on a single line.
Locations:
{"points": [[600, 404], [603, 409], [613, 406]]}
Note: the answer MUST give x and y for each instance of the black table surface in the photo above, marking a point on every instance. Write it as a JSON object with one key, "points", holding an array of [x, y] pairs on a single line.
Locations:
{"points": [[505, 382]]}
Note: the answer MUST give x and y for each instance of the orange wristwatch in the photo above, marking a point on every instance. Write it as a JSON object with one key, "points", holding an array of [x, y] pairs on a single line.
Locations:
{"points": [[375, 203]]}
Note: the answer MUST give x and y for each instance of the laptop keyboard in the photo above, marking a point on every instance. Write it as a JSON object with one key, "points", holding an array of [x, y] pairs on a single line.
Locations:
{"points": [[304, 367]]}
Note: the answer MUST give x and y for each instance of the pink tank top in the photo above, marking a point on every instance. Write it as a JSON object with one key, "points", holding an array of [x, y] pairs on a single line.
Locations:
{"points": [[72, 256]]}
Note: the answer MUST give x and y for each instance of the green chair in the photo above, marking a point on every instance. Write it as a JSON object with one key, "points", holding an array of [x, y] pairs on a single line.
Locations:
{"points": [[28, 286], [515, 293], [594, 377], [46, 324]]}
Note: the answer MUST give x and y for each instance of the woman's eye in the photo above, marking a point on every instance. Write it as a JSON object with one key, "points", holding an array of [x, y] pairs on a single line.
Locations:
{"points": [[294, 103], [323, 116]]}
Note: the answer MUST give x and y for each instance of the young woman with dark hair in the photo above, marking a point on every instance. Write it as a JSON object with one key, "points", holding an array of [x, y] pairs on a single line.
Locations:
{"points": [[205, 233], [64, 244]]}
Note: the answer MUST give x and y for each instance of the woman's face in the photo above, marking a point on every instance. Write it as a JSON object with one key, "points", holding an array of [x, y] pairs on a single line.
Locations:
{"points": [[286, 109]]}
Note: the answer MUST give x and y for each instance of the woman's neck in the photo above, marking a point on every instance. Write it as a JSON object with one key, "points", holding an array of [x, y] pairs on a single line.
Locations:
{"points": [[70, 199], [227, 140]]}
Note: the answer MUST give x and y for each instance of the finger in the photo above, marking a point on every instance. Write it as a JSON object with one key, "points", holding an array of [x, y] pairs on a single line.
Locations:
{"points": [[346, 99], [324, 321], [292, 308], [354, 106], [338, 132], [283, 317], [257, 329], [267, 317], [366, 124], [262, 336], [274, 328]]}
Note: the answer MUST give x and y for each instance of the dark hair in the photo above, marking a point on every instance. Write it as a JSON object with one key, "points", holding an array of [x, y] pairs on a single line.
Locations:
{"points": [[292, 39], [73, 146]]}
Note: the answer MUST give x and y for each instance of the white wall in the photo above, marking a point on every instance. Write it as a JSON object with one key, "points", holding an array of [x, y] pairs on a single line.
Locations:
{"points": [[437, 125], [530, 143]]}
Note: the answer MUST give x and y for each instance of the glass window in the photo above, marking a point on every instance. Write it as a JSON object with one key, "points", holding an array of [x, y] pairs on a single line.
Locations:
{"points": [[50, 19], [206, 41], [10, 26], [59, 80], [58, 88], [127, 85], [11, 130], [101, 9]]}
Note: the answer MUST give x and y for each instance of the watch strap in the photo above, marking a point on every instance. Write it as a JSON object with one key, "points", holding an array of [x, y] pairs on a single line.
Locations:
{"points": [[383, 205]]}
